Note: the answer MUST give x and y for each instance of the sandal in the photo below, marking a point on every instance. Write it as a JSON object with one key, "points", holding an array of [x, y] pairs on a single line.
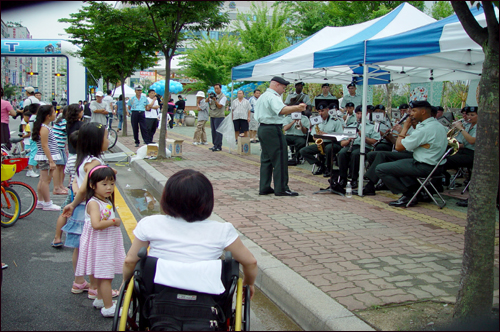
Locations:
{"points": [[93, 293], [80, 288]]}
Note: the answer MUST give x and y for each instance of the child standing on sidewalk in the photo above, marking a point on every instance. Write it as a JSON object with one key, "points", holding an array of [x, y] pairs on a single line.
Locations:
{"points": [[61, 137], [46, 155], [101, 245]]}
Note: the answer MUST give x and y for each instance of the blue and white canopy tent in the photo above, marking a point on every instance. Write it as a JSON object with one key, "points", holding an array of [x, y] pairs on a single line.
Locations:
{"points": [[404, 46]]}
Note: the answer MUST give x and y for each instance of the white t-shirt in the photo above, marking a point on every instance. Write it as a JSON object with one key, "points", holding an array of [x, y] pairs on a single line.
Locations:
{"points": [[177, 240], [31, 100], [153, 114], [108, 100]]}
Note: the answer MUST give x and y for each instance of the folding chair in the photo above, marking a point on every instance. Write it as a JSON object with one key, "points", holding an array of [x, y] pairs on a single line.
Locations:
{"points": [[425, 181], [454, 177]]}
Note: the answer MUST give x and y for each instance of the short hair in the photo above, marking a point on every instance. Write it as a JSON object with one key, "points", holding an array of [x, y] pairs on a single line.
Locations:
{"points": [[108, 92], [179, 96], [26, 112], [220, 85], [38, 92], [189, 195], [254, 91], [150, 91]]}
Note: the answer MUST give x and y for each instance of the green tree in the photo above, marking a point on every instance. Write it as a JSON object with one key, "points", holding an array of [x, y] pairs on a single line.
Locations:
{"points": [[113, 42], [10, 90], [475, 294], [210, 60], [170, 20], [311, 17], [260, 35], [441, 9]]}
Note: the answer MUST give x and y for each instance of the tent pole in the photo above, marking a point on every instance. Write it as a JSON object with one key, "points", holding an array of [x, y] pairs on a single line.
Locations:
{"points": [[363, 131], [231, 104]]}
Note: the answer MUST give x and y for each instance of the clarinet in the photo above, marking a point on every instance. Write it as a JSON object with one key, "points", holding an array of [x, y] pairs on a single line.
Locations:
{"points": [[403, 119], [352, 142]]}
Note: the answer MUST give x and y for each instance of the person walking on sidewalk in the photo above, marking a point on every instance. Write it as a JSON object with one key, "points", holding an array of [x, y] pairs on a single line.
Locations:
{"points": [[217, 105], [269, 112], [152, 110], [137, 106], [200, 136]]}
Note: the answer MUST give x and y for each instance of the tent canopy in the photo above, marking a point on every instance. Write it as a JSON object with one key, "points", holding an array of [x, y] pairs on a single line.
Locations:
{"points": [[117, 92], [333, 53]]}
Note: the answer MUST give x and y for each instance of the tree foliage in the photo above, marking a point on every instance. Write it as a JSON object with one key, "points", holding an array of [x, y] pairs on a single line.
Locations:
{"points": [[310, 17], [210, 60], [475, 294], [170, 21], [260, 35], [114, 43], [441, 9]]}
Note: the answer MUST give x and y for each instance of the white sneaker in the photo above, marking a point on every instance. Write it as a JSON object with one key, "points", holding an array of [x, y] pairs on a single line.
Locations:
{"points": [[51, 207], [109, 312], [204, 143], [39, 205], [98, 304], [196, 143], [32, 174]]}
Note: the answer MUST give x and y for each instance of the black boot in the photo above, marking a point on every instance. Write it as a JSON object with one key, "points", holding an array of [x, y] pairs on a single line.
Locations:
{"points": [[319, 170], [368, 189]]}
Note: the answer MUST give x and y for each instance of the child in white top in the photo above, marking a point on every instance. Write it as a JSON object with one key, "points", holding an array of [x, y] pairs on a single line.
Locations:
{"points": [[101, 244]]}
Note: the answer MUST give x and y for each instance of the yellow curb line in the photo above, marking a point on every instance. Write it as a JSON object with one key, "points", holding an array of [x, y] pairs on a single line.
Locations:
{"points": [[127, 217]]}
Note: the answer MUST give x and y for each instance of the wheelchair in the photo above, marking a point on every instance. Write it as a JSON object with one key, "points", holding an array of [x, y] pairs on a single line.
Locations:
{"points": [[200, 312]]}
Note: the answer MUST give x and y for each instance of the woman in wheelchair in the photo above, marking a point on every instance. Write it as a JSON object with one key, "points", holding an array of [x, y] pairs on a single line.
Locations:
{"points": [[184, 234]]}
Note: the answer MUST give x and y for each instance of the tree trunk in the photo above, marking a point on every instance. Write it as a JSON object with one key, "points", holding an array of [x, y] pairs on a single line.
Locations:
{"points": [[475, 295], [166, 98], [388, 97], [125, 109]]}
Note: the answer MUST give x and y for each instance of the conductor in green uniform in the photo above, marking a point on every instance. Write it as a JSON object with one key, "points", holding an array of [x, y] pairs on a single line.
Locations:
{"points": [[269, 112]]}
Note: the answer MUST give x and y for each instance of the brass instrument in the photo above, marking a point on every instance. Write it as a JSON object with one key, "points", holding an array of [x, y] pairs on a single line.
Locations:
{"points": [[319, 142], [452, 141], [454, 131]]}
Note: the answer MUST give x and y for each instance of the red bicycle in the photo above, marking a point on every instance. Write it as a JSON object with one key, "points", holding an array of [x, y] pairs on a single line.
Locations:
{"points": [[26, 193]]}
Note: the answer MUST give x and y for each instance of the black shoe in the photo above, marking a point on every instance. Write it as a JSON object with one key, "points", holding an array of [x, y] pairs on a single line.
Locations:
{"points": [[327, 174], [320, 170], [368, 190], [463, 203], [447, 178], [267, 192], [152, 142], [337, 187], [402, 201], [136, 145], [354, 184], [292, 162], [216, 149], [212, 148], [381, 186], [287, 193]]}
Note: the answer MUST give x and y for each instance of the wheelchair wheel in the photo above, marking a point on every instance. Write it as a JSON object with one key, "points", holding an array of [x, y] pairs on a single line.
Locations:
{"points": [[128, 304], [241, 318], [112, 137]]}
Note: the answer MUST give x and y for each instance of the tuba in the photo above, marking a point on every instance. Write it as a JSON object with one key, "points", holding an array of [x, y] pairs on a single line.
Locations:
{"points": [[319, 142]]}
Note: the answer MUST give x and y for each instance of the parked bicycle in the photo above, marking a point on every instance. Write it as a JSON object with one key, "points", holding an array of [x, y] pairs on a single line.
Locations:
{"points": [[112, 135], [25, 192], [10, 201]]}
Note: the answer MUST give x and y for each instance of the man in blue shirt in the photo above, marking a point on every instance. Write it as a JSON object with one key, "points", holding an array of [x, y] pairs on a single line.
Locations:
{"points": [[137, 106]]}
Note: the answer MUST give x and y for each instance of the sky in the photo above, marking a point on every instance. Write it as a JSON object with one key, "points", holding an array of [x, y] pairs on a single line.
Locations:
{"points": [[41, 18]]}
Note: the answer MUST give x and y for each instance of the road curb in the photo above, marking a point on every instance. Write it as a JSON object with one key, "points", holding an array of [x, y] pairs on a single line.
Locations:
{"points": [[310, 307]]}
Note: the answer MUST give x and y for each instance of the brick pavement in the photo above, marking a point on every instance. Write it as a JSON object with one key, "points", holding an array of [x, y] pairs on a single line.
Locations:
{"points": [[359, 251]]}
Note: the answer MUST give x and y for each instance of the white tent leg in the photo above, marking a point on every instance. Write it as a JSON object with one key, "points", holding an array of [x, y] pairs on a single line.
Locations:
{"points": [[363, 132], [231, 104]]}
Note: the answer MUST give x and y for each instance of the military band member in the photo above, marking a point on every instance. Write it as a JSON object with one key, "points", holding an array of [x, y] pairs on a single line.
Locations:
{"points": [[403, 109], [269, 112], [328, 126], [467, 139], [350, 116], [385, 126], [294, 98], [325, 93], [428, 142], [351, 97], [296, 135], [348, 157]]}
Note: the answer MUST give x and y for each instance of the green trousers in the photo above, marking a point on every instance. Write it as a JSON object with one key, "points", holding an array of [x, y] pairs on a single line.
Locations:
{"points": [[273, 158]]}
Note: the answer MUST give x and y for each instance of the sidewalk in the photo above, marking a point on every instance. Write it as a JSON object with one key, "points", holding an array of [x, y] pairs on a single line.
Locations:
{"points": [[315, 251]]}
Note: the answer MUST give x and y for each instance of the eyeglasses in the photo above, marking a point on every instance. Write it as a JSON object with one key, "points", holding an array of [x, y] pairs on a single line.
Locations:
{"points": [[470, 109]]}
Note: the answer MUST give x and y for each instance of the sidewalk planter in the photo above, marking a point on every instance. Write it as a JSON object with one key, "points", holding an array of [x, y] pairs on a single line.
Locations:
{"points": [[189, 120], [244, 146], [175, 146]]}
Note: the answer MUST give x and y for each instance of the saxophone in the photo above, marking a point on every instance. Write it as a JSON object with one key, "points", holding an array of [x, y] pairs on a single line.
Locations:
{"points": [[319, 142]]}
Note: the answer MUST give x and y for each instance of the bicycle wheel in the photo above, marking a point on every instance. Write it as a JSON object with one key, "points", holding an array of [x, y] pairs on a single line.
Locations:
{"points": [[10, 215], [113, 137], [27, 195]]}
